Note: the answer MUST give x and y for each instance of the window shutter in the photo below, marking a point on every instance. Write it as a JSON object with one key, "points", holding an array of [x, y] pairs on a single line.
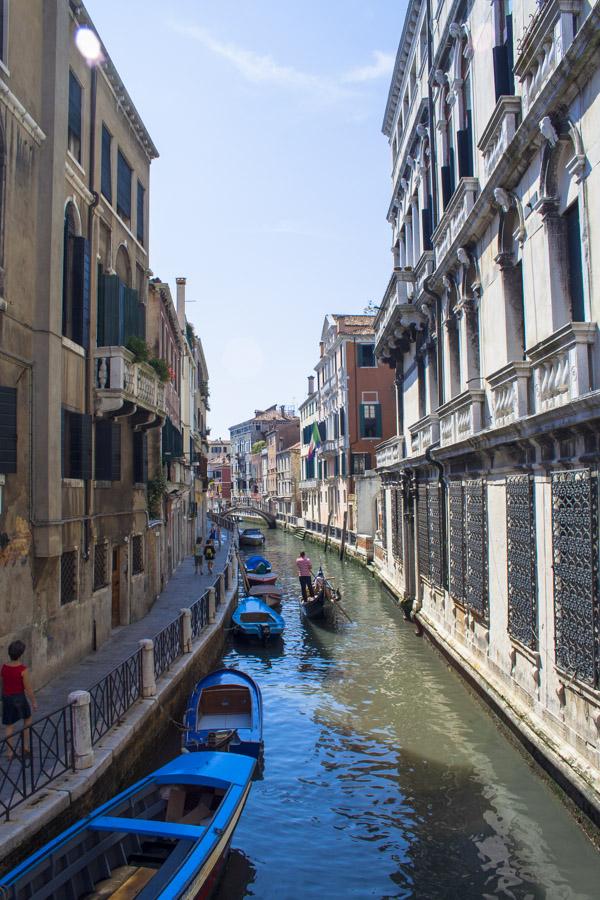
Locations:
{"points": [[378, 431], [465, 153], [102, 451], [108, 328], [106, 173], [367, 457], [342, 422], [100, 309], [131, 314], [323, 430], [140, 213], [501, 75], [8, 430], [336, 465], [80, 288], [115, 452], [63, 442], [74, 106], [362, 419], [343, 464], [140, 457], [123, 187]]}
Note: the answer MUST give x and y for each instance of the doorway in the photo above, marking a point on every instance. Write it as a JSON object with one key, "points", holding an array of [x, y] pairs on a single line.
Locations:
{"points": [[116, 587]]}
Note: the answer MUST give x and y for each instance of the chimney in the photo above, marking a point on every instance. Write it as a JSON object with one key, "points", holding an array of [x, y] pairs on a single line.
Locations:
{"points": [[311, 385], [282, 408], [181, 301]]}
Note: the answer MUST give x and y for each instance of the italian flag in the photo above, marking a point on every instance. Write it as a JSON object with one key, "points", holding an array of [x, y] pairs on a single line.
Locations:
{"points": [[315, 441]]}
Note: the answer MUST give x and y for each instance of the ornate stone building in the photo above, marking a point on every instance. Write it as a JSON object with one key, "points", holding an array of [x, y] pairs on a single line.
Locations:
{"points": [[489, 501]]}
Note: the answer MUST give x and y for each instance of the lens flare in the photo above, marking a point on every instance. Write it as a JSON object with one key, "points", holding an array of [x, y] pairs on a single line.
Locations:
{"points": [[88, 44]]}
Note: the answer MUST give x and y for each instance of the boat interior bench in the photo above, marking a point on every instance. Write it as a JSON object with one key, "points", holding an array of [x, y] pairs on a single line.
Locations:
{"points": [[225, 706], [256, 617]]}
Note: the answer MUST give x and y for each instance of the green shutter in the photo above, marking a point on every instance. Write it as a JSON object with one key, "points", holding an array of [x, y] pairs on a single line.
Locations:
{"points": [[378, 420], [343, 464], [8, 430], [362, 419]]}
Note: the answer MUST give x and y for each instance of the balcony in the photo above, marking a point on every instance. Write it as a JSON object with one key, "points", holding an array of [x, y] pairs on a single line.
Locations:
{"points": [[390, 453], [455, 215], [543, 44], [423, 434], [499, 131], [308, 484], [461, 417], [561, 365], [330, 447], [126, 388], [509, 388], [397, 313]]}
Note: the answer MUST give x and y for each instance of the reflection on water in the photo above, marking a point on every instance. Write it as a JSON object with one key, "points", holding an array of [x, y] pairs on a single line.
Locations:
{"points": [[384, 776]]}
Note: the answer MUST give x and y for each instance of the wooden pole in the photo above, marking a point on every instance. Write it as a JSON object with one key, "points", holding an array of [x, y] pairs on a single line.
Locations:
{"points": [[327, 530], [344, 530]]}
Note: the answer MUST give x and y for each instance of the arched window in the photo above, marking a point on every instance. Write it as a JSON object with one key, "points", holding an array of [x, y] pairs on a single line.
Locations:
{"points": [[464, 113], [510, 260], [452, 354], [76, 280], [123, 266], [503, 49]]}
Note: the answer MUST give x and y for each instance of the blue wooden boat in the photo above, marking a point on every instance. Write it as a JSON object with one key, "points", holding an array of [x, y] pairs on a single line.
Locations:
{"points": [[253, 618], [165, 837], [225, 713], [258, 565]]}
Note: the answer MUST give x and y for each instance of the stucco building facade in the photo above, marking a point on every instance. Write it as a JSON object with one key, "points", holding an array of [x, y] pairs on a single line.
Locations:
{"points": [[488, 509]]}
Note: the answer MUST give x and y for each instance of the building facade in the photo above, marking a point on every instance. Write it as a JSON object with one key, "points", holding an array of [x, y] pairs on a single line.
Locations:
{"points": [[353, 406], [219, 474], [243, 437], [489, 504]]}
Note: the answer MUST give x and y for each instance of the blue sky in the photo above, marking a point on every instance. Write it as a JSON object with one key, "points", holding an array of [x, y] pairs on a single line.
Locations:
{"points": [[273, 180]]}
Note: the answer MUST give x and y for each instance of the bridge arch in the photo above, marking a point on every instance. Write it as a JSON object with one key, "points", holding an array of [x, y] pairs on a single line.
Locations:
{"points": [[268, 517]]}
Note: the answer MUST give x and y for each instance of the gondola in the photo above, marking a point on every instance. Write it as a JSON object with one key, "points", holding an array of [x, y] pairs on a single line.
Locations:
{"points": [[225, 713], [313, 607], [258, 565], [253, 618], [165, 837], [320, 606], [251, 537]]}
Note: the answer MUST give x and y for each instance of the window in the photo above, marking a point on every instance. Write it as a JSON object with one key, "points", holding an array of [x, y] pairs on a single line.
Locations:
{"points": [[123, 187], [100, 555], [366, 356], [8, 430], [68, 577], [121, 315], [342, 421], [76, 445], [140, 457], [76, 283], [370, 420], [107, 451], [140, 212], [106, 171], [360, 463], [137, 554], [4, 31], [571, 217], [503, 51], [74, 127]]}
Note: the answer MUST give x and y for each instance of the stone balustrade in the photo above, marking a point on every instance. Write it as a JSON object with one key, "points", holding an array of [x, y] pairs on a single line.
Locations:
{"points": [[461, 417], [499, 131], [423, 434], [509, 388], [455, 216], [396, 296], [119, 380], [561, 365], [390, 452], [545, 41]]}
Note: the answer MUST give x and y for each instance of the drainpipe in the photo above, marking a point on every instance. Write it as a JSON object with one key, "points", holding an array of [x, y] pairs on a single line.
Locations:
{"points": [[89, 362], [442, 482]]}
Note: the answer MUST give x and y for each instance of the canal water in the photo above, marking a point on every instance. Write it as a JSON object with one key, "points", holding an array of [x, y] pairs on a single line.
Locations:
{"points": [[384, 775]]}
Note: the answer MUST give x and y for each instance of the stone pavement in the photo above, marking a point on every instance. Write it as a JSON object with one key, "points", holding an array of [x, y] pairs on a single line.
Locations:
{"points": [[183, 588]]}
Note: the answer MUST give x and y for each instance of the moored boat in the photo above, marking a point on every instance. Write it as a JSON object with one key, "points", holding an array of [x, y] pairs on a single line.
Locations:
{"points": [[165, 837], [251, 537], [258, 565], [253, 618], [225, 713], [313, 607], [255, 580], [270, 593]]}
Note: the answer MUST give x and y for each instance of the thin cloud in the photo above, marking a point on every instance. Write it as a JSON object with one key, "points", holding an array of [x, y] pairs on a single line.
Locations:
{"points": [[382, 66], [263, 69]]}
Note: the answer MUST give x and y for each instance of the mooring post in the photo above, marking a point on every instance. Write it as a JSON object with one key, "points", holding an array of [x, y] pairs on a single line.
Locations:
{"points": [[148, 680], [186, 630], [83, 753], [212, 605]]}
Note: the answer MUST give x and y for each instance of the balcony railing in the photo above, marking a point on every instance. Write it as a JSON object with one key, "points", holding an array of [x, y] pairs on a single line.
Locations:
{"points": [[499, 131], [455, 216], [396, 294], [461, 417], [118, 380], [547, 38], [390, 452], [561, 365], [424, 433], [509, 389]]}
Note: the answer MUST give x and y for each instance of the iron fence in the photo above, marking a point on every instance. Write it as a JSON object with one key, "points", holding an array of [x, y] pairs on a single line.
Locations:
{"points": [[199, 611], [217, 587], [168, 646], [34, 757], [115, 694]]}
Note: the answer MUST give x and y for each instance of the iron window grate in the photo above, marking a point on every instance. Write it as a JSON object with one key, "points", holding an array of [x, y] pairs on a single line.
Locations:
{"points": [[68, 577], [137, 554], [100, 555]]}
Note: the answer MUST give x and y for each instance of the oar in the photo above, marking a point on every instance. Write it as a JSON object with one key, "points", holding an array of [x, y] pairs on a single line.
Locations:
{"points": [[337, 602]]}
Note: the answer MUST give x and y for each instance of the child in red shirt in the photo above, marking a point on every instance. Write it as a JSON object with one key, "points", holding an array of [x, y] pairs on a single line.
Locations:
{"points": [[16, 691]]}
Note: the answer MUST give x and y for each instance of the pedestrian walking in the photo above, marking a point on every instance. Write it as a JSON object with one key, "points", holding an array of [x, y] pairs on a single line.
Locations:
{"points": [[198, 557], [209, 555], [219, 535], [213, 534], [17, 695], [304, 567]]}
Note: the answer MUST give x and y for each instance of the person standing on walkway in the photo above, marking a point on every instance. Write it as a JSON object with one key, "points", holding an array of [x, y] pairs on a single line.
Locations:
{"points": [[304, 567], [209, 554], [16, 692], [219, 536], [213, 534], [198, 557]]}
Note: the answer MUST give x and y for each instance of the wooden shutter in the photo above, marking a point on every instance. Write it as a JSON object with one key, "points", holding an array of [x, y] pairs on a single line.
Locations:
{"points": [[102, 451], [343, 463], [80, 291], [140, 457], [361, 417], [106, 172], [108, 328], [77, 445], [342, 422], [378, 420], [8, 430], [123, 187], [140, 213], [74, 106]]}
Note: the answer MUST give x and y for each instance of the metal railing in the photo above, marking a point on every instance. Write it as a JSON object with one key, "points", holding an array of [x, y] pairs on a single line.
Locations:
{"points": [[114, 694], [36, 756]]}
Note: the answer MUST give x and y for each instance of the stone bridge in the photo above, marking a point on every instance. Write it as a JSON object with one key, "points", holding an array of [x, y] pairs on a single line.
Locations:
{"points": [[241, 508]]}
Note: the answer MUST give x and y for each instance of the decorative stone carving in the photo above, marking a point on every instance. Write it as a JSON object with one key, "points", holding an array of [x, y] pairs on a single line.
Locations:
{"points": [[463, 256], [549, 131]]}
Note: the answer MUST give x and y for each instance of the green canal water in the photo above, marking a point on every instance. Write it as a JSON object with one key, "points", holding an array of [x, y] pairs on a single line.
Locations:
{"points": [[384, 775]]}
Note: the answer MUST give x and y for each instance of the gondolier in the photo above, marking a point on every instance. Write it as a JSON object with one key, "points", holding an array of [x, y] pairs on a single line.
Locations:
{"points": [[304, 567]]}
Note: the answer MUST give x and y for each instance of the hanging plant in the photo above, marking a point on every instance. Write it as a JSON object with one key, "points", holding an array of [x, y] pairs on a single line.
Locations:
{"points": [[161, 368], [156, 490], [139, 348]]}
